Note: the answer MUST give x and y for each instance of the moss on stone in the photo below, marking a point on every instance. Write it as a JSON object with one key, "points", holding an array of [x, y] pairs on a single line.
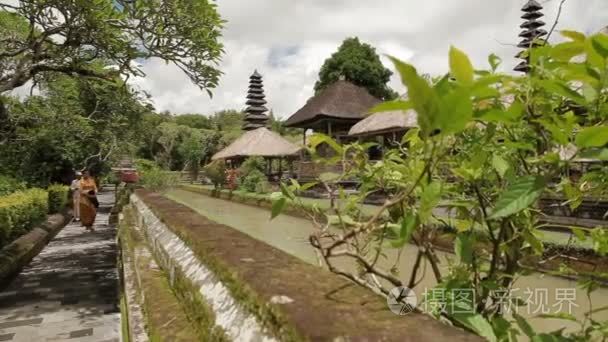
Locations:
{"points": [[324, 308], [197, 308], [163, 313]]}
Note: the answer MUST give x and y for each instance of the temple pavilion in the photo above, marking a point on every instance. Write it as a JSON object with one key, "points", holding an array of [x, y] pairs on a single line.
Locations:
{"points": [[258, 140], [342, 111]]}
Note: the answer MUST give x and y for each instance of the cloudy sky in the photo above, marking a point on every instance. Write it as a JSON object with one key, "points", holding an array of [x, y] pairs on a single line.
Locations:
{"points": [[287, 41]]}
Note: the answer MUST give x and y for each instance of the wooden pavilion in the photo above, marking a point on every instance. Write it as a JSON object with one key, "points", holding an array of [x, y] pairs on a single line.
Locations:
{"points": [[385, 128], [258, 141], [333, 112]]}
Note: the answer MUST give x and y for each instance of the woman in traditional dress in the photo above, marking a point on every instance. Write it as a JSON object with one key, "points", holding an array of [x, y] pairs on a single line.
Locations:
{"points": [[75, 187], [88, 198]]}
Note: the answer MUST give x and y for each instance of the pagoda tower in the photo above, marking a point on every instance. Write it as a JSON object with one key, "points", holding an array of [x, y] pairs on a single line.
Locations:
{"points": [[532, 30], [256, 111]]}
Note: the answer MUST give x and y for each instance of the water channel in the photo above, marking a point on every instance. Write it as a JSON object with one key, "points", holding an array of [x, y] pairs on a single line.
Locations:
{"points": [[290, 234]]}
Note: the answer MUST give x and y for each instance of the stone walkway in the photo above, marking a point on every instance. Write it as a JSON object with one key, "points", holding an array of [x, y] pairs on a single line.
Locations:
{"points": [[70, 291]]}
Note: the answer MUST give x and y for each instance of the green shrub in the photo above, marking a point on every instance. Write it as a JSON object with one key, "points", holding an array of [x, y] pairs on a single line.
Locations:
{"points": [[20, 212], [9, 185], [143, 165], [252, 164], [110, 178], [216, 172], [158, 180], [263, 187], [255, 181], [58, 197]]}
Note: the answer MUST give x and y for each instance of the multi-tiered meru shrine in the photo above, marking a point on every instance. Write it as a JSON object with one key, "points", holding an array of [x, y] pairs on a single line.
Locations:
{"points": [[256, 101], [258, 140]]}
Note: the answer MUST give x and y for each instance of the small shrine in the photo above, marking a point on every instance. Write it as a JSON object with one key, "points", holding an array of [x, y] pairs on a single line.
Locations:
{"points": [[258, 140]]}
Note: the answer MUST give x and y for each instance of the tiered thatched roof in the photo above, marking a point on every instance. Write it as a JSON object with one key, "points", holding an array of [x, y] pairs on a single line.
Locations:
{"points": [[259, 142], [385, 122], [532, 30], [341, 100], [256, 111]]}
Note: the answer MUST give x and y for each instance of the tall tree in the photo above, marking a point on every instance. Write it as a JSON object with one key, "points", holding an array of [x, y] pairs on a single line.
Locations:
{"points": [[66, 36], [75, 123], [360, 64], [197, 121]]}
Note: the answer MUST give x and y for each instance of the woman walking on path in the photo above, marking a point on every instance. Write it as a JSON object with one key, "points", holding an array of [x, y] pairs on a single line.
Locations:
{"points": [[75, 187], [88, 200]]}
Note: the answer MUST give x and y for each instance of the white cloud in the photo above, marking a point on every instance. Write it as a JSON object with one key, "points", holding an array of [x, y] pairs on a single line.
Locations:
{"points": [[287, 41]]}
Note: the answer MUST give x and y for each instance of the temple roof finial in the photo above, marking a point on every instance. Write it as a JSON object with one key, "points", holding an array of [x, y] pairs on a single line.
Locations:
{"points": [[532, 31], [255, 116]]}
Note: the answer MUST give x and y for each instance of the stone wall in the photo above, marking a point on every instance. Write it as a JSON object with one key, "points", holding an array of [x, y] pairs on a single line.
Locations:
{"points": [[20, 252], [233, 287]]}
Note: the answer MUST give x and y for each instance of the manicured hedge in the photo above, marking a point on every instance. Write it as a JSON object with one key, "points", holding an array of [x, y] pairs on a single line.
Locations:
{"points": [[20, 212], [58, 197]]}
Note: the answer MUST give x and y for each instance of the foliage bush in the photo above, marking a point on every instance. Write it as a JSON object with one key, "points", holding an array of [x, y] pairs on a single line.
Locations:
{"points": [[487, 147], [216, 172], [158, 180], [20, 212], [143, 165], [58, 197], [251, 176], [9, 185], [252, 164], [110, 178], [255, 181]]}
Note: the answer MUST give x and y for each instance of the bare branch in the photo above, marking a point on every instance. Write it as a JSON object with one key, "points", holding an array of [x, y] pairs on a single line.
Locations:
{"points": [[559, 13]]}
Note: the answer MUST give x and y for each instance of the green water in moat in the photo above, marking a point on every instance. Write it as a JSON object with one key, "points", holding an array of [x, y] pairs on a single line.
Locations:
{"points": [[290, 234]]}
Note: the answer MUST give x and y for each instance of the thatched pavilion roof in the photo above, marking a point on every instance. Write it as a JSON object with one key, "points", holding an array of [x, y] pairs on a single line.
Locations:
{"points": [[341, 100], [385, 122], [259, 142]]}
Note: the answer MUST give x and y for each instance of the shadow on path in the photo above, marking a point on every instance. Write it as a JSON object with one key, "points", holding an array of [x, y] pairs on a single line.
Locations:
{"points": [[70, 290]]}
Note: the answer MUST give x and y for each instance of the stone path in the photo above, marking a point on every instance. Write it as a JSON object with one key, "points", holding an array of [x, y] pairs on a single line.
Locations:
{"points": [[70, 291]]}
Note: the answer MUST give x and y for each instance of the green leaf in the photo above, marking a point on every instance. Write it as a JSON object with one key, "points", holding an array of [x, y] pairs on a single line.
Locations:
{"points": [[564, 52], [318, 139], [308, 186], [429, 200], [463, 247], [286, 191], [564, 90], [421, 94], [494, 61], [408, 225], [482, 93], [392, 106], [573, 35], [579, 233], [533, 241], [592, 137], [595, 153], [500, 165], [518, 196], [461, 67], [477, 323], [600, 44], [593, 57], [456, 111], [277, 207], [524, 325], [511, 115]]}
